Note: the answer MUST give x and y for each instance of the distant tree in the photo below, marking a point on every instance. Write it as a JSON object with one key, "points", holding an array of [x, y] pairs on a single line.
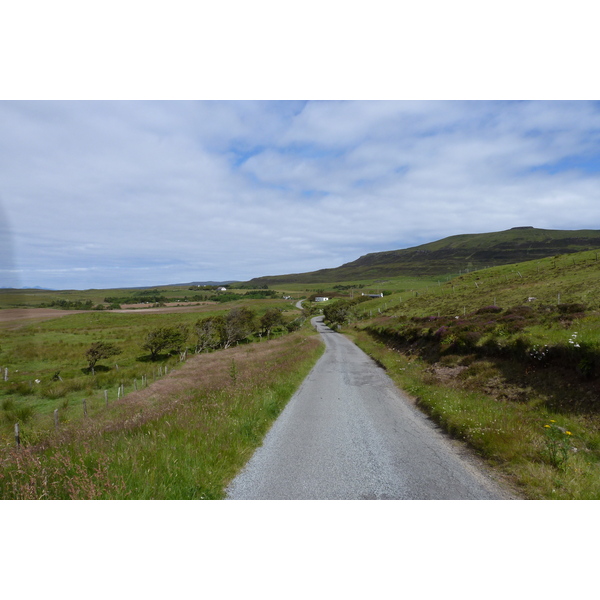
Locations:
{"points": [[208, 333], [239, 324], [270, 319], [295, 324], [309, 310], [165, 338], [98, 351], [342, 311]]}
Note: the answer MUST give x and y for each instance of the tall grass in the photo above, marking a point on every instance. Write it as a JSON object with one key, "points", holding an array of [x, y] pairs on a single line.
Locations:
{"points": [[509, 434], [184, 437], [47, 364]]}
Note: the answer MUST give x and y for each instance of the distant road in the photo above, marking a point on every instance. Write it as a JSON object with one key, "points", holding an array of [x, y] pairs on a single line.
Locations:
{"points": [[348, 433]]}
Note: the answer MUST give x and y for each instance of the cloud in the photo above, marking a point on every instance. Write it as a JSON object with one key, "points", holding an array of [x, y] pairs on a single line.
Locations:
{"points": [[103, 194]]}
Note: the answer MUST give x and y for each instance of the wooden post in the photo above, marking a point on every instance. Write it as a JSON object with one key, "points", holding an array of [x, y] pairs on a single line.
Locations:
{"points": [[84, 408], [17, 435], [6, 374], [106, 397], [135, 384], [56, 418]]}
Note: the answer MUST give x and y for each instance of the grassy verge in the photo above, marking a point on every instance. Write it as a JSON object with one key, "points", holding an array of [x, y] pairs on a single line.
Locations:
{"points": [[46, 361], [544, 453], [183, 437]]}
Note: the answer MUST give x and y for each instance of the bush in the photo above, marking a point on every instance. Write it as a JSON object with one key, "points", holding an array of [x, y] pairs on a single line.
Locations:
{"points": [[165, 338], [98, 351], [488, 309], [568, 309]]}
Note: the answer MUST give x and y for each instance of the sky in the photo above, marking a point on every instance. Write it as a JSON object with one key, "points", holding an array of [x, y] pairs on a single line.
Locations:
{"points": [[237, 140], [101, 194]]}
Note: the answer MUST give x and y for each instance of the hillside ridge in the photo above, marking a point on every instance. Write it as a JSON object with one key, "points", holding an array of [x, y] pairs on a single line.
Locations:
{"points": [[452, 255]]}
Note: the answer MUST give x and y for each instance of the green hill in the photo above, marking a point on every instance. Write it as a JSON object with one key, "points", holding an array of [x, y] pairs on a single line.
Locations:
{"points": [[452, 255], [507, 360]]}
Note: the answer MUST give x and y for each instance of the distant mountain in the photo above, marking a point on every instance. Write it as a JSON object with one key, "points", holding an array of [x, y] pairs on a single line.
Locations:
{"points": [[201, 283], [35, 287], [467, 252]]}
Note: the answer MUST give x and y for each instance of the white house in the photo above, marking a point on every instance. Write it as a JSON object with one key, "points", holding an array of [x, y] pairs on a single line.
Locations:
{"points": [[321, 299]]}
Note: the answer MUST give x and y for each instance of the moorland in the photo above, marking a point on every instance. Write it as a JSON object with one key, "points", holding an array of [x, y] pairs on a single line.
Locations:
{"points": [[165, 392]]}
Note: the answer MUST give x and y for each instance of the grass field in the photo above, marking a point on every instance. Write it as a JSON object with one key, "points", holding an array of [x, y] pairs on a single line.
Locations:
{"points": [[360, 286], [47, 366], [182, 435], [506, 359]]}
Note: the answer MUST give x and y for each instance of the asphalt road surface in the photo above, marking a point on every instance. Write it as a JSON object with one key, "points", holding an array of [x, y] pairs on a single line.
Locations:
{"points": [[349, 433]]}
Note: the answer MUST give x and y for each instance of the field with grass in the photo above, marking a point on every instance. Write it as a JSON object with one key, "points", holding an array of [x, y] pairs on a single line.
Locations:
{"points": [[506, 359], [174, 425]]}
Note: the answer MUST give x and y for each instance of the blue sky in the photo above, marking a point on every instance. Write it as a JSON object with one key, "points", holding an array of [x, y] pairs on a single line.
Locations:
{"points": [[141, 147], [130, 193]]}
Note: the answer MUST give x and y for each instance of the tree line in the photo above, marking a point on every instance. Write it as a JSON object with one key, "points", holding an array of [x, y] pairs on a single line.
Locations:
{"points": [[210, 333]]}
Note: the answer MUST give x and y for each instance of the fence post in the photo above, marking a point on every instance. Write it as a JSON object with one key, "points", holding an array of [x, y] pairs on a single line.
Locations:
{"points": [[17, 435], [6, 374], [56, 418], [106, 397], [84, 408]]}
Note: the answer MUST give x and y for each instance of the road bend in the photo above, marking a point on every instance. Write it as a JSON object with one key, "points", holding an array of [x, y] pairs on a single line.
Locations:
{"points": [[349, 433]]}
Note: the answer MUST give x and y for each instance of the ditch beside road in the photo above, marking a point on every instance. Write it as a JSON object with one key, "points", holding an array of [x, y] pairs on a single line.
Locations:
{"points": [[349, 433]]}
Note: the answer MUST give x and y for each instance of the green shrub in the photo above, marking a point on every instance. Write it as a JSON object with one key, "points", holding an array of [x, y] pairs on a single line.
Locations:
{"points": [[568, 309]]}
